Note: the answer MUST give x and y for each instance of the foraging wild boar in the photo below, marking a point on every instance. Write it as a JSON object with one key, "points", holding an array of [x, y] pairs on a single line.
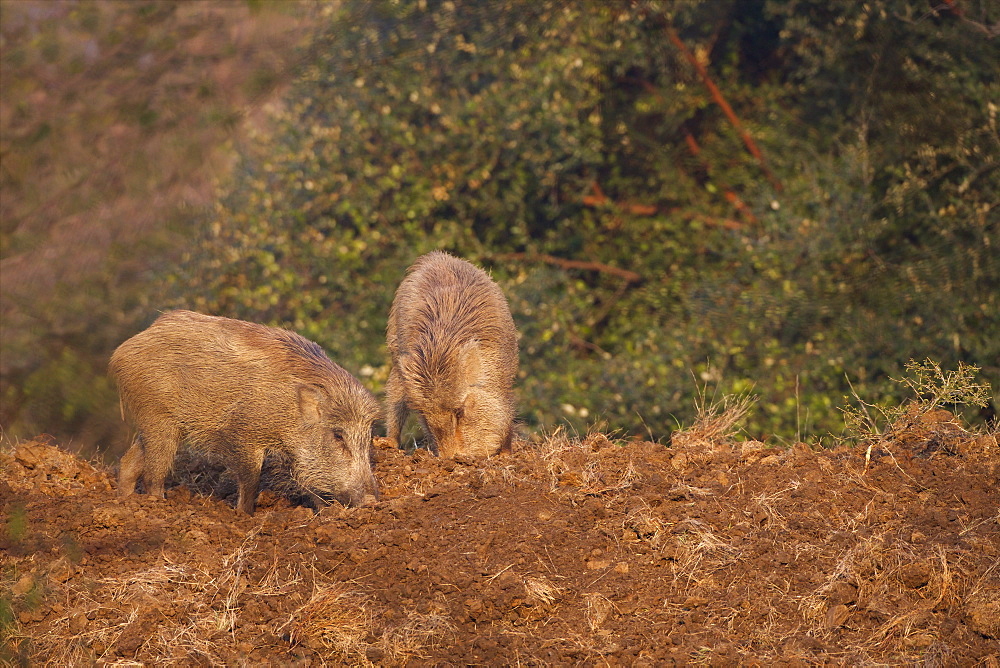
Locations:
{"points": [[240, 390], [454, 357]]}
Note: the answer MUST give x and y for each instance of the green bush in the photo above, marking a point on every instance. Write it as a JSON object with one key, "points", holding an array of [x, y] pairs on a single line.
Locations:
{"points": [[521, 136], [507, 131]]}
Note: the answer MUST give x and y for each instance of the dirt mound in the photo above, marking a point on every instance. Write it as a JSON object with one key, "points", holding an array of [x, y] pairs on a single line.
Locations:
{"points": [[566, 551]]}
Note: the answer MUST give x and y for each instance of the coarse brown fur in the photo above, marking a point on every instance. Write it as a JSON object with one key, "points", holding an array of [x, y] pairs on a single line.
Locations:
{"points": [[453, 344], [240, 390]]}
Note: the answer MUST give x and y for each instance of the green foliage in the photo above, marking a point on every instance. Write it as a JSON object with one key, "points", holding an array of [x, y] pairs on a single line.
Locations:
{"points": [[503, 131], [111, 119], [518, 135]]}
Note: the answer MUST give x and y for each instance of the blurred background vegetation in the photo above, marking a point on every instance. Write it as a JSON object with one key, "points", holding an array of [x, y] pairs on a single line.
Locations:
{"points": [[784, 197]]}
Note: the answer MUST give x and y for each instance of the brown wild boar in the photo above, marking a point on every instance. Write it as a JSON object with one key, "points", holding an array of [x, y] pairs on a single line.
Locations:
{"points": [[239, 390], [454, 357]]}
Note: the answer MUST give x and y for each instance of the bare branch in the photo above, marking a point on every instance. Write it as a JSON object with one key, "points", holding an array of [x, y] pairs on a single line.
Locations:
{"points": [[586, 265], [726, 109]]}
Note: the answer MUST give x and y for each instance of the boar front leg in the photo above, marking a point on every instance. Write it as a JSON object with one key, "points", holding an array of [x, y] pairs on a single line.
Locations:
{"points": [[396, 408], [246, 465]]}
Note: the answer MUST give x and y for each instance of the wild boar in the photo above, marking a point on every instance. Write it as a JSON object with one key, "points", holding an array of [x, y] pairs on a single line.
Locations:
{"points": [[240, 390], [453, 345]]}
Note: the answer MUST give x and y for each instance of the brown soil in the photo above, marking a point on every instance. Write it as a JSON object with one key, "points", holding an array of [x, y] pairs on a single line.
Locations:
{"points": [[567, 551]]}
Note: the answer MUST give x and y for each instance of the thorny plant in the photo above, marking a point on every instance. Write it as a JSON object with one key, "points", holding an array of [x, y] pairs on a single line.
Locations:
{"points": [[933, 387]]}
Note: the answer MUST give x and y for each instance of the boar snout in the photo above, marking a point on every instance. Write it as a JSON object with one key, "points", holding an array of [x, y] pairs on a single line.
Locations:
{"points": [[361, 497], [353, 497]]}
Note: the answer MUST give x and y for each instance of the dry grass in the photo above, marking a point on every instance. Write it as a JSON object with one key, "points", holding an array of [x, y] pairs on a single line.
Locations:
{"points": [[578, 466], [551, 449], [717, 422], [700, 552], [897, 585], [539, 589], [336, 618], [414, 635], [350, 627], [645, 524], [125, 603], [203, 603], [768, 503], [598, 608], [626, 479]]}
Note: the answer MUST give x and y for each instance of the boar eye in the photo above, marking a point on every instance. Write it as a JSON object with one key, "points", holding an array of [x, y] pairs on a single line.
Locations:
{"points": [[460, 412], [338, 434]]}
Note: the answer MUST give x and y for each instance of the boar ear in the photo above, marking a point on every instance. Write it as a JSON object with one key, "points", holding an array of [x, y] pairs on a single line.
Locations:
{"points": [[311, 398], [470, 365]]}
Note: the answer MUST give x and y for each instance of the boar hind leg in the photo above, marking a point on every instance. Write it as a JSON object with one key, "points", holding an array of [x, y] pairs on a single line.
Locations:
{"points": [[130, 468], [396, 408], [158, 454], [247, 468]]}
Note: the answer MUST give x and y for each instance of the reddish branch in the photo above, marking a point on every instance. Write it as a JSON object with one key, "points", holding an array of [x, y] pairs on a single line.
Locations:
{"points": [[598, 198], [629, 276], [695, 150], [726, 109], [729, 194], [952, 7], [727, 223]]}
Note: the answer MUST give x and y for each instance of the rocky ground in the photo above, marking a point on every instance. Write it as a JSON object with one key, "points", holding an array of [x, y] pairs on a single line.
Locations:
{"points": [[567, 551]]}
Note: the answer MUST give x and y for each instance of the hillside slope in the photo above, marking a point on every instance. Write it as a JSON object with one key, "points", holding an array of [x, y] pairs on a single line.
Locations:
{"points": [[582, 551]]}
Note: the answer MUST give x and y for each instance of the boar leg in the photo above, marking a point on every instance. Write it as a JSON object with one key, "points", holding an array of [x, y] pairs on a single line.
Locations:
{"points": [[396, 410], [431, 442], [505, 444], [247, 466], [158, 452], [131, 467]]}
